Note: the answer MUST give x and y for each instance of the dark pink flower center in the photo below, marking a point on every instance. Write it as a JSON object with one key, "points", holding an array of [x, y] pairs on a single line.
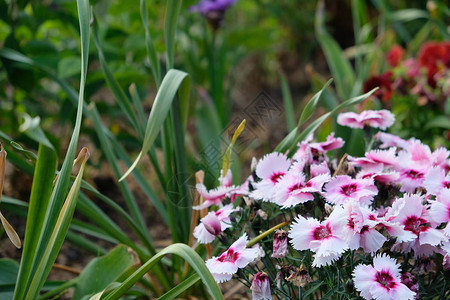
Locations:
{"points": [[368, 175], [351, 223], [385, 279], [416, 225], [414, 174], [349, 189], [446, 184], [295, 187], [276, 176], [322, 232], [230, 256], [364, 229]]}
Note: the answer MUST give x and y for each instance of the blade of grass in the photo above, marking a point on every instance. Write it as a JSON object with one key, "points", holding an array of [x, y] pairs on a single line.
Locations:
{"points": [[122, 99], [290, 142], [41, 191], [173, 81], [151, 52], [288, 106], [58, 234], [181, 287], [170, 25], [310, 107], [123, 185], [181, 250]]}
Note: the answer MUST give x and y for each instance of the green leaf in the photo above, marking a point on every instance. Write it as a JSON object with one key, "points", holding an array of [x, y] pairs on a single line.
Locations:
{"points": [[406, 15], [181, 250], [151, 52], [181, 287], [340, 67], [310, 107], [287, 100], [170, 25], [38, 263], [58, 232], [102, 271], [439, 122], [41, 191], [122, 99], [8, 275], [28, 154], [174, 81], [291, 140]]}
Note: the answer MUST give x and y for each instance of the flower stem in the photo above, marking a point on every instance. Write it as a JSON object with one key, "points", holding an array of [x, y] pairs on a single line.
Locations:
{"points": [[266, 233]]}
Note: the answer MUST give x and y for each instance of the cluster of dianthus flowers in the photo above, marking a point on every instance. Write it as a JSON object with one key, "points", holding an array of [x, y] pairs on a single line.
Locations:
{"points": [[375, 225]]}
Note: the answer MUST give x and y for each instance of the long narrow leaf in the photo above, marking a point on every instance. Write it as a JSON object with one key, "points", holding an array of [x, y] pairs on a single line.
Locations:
{"points": [[288, 106], [41, 191], [120, 96], [310, 107], [170, 25], [151, 52], [181, 287], [59, 232], [291, 140], [173, 81], [62, 184], [181, 250]]}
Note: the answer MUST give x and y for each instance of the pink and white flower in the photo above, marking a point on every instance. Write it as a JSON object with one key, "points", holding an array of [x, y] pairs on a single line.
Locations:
{"points": [[324, 238], [261, 287], [343, 188], [373, 118], [236, 257], [270, 169], [320, 168], [216, 195], [440, 210], [382, 281], [331, 143], [292, 189], [213, 224], [359, 231], [390, 140], [410, 212], [377, 174], [435, 181]]}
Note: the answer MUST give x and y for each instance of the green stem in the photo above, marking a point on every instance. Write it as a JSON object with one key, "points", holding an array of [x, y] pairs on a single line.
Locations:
{"points": [[266, 233]]}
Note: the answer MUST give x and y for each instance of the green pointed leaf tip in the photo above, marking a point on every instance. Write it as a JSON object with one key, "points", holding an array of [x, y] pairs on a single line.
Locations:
{"points": [[310, 107], [174, 81]]}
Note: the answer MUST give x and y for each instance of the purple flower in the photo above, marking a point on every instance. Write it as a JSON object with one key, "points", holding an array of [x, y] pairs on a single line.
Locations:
{"points": [[213, 10], [207, 6], [261, 287]]}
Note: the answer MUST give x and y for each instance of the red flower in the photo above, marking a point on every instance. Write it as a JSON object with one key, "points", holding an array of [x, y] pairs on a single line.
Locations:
{"points": [[395, 55], [383, 82], [434, 56]]}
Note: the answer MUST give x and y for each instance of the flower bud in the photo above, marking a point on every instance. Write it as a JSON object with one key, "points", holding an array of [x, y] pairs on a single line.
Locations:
{"points": [[280, 244], [261, 287]]}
